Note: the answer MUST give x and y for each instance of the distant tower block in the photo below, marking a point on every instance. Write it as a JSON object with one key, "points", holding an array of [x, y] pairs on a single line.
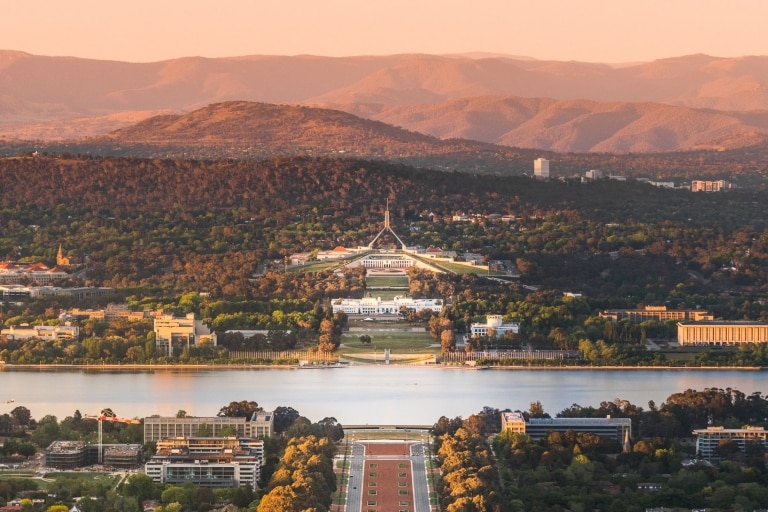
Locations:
{"points": [[541, 168], [387, 227]]}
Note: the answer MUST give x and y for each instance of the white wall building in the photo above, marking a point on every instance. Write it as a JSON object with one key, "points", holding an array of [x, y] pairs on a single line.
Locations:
{"points": [[261, 424], [207, 461], [721, 332], [43, 332], [708, 439], [377, 306], [495, 324]]}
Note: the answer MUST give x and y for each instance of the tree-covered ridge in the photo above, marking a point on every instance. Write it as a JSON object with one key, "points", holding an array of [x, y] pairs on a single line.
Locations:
{"points": [[209, 225]]}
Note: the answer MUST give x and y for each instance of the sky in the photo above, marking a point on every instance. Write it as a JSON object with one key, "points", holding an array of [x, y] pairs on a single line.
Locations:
{"points": [[610, 31]]}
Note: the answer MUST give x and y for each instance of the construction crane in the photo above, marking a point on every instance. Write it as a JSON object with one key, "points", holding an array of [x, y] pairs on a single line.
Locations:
{"points": [[108, 415]]}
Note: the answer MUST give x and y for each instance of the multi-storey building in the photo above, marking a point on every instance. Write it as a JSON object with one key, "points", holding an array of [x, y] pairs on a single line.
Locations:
{"points": [[156, 428], [618, 429], [658, 313], [207, 461], [708, 439], [77, 454], [171, 330], [708, 186], [377, 306], [110, 313], [541, 168], [43, 332], [721, 333], [493, 324], [38, 273]]}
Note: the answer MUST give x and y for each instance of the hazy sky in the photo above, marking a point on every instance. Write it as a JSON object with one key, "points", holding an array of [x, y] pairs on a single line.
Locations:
{"points": [[585, 30]]}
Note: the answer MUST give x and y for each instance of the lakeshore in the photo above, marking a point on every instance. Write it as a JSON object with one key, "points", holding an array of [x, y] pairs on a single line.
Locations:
{"points": [[246, 366]]}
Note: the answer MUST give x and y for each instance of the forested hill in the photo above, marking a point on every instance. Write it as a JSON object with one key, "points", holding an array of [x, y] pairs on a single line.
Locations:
{"points": [[210, 225], [240, 129]]}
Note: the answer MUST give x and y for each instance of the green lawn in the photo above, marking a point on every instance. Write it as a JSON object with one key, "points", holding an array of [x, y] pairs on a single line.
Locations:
{"points": [[386, 281], [404, 347], [397, 342]]}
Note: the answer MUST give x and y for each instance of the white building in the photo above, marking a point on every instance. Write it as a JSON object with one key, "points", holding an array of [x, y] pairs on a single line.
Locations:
{"points": [[261, 424], [187, 331], [43, 332], [495, 324], [377, 306], [593, 174], [207, 461], [541, 168], [618, 429], [708, 186], [38, 273], [721, 332], [707, 440]]}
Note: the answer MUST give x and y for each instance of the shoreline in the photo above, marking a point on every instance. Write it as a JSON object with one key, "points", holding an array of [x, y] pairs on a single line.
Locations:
{"points": [[249, 366]]}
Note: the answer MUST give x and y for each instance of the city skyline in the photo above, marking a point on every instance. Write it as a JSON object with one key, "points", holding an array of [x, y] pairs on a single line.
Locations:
{"points": [[588, 31]]}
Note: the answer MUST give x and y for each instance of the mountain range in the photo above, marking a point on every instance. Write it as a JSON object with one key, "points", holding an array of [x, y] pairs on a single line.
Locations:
{"points": [[678, 104]]}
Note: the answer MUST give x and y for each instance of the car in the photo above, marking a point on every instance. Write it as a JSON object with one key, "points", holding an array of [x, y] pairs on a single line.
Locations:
{"points": [[367, 319]]}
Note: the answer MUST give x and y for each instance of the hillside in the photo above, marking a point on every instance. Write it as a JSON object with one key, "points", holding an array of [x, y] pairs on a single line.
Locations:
{"points": [[575, 125], [558, 106], [239, 129]]}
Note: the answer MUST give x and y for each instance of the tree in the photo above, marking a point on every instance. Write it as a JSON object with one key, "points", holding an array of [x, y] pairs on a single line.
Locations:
{"points": [[447, 341], [204, 430], [241, 409], [141, 486], [284, 418], [365, 339], [228, 431], [22, 415], [181, 413], [536, 410]]}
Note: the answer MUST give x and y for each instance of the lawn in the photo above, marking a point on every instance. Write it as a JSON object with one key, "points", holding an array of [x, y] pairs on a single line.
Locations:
{"points": [[386, 281], [404, 347]]}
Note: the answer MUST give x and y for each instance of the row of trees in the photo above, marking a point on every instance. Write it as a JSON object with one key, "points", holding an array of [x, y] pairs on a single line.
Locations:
{"points": [[304, 479]]}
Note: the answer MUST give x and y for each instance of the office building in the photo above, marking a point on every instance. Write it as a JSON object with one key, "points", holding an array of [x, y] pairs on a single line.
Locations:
{"points": [[184, 331], [721, 333], [618, 429], [156, 428], [708, 439], [657, 313]]}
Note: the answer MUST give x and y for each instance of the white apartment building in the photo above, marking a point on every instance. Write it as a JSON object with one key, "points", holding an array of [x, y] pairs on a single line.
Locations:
{"points": [[207, 461]]}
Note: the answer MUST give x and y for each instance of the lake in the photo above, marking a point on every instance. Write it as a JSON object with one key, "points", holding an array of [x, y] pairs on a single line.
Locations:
{"points": [[355, 395]]}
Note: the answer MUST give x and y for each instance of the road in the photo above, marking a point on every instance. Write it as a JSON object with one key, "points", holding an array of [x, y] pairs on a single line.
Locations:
{"points": [[358, 458]]}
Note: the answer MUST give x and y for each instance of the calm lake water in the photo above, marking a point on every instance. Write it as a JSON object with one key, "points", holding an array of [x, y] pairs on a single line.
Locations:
{"points": [[353, 395]]}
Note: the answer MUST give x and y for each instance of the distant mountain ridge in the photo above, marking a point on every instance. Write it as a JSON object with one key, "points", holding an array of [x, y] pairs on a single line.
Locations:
{"points": [[682, 103]]}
